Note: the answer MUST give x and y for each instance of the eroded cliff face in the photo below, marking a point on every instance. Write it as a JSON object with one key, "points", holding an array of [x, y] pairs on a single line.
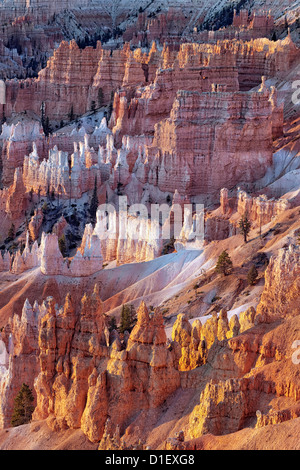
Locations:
{"points": [[20, 339], [90, 79], [223, 222], [266, 344], [206, 129], [87, 377], [280, 298], [83, 374], [172, 116]]}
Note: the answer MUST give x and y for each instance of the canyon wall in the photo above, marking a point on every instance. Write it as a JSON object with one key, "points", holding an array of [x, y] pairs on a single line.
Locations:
{"points": [[206, 129], [83, 375], [88, 377], [280, 298]]}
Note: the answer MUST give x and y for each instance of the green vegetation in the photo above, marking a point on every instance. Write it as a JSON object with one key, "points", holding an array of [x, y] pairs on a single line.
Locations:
{"points": [[112, 324], [94, 202], [252, 275], [224, 265], [128, 318], [23, 407], [245, 226], [11, 233], [62, 245]]}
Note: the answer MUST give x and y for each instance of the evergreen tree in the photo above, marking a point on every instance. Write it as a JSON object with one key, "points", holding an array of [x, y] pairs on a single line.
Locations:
{"points": [[110, 107], [252, 275], [71, 114], [100, 98], [45, 208], [112, 324], [47, 128], [93, 106], [94, 202], [11, 232], [245, 226], [128, 318], [23, 407], [62, 245], [224, 264]]}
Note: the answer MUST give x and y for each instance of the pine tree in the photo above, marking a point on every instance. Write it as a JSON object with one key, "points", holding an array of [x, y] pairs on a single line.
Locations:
{"points": [[11, 232], [71, 114], [128, 318], [23, 407], [94, 202], [112, 324], [62, 245], [47, 127], [274, 36], [252, 275], [100, 98], [245, 226], [93, 106], [224, 264]]}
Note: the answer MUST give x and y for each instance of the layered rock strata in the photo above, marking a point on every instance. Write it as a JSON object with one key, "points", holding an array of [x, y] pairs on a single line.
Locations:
{"points": [[206, 129], [86, 378]]}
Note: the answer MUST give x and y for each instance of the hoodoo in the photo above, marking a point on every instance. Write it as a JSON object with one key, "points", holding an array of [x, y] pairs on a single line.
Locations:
{"points": [[150, 232]]}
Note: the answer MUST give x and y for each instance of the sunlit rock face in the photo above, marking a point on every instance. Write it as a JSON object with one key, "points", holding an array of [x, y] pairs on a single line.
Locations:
{"points": [[15, 141], [19, 358], [57, 174], [161, 113], [209, 134], [128, 239], [281, 294], [82, 370]]}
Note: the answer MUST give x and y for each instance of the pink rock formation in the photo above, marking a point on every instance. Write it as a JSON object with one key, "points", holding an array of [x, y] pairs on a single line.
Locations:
{"points": [[223, 222], [52, 262], [55, 174], [20, 338], [195, 67], [60, 227], [29, 259], [17, 201], [280, 297], [89, 80], [261, 210], [106, 378], [199, 134], [261, 24], [128, 239], [88, 259], [15, 141], [5, 261], [35, 224]]}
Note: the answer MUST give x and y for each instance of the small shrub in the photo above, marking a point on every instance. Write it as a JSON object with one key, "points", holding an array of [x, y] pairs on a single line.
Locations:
{"points": [[252, 275]]}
